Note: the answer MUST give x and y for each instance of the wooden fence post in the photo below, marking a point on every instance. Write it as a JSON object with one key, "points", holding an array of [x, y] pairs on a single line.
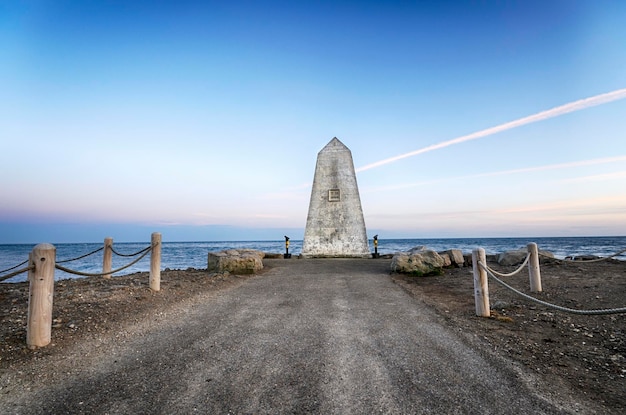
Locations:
{"points": [[107, 257], [534, 272], [155, 262], [40, 295], [481, 286]]}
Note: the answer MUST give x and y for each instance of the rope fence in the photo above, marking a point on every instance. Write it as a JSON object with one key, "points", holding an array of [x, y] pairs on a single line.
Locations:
{"points": [[81, 257], [482, 272], [18, 272], [13, 267], [554, 306], [510, 274], [41, 266], [102, 274], [14, 273], [127, 255]]}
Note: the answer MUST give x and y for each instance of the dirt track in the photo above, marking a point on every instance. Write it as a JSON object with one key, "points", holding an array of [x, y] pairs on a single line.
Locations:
{"points": [[322, 336]]}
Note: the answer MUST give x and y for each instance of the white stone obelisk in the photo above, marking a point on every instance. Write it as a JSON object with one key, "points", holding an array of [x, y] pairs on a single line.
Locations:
{"points": [[335, 226]]}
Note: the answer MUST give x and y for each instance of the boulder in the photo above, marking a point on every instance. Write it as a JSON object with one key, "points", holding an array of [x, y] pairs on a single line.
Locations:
{"points": [[512, 257], [518, 256], [236, 261], [447, 262], [546, 257], [417, 262], [456, 257], [415, 249], [582, 257], [491, 257], [468, 259]]}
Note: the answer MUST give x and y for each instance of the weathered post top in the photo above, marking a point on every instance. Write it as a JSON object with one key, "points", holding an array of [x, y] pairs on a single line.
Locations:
{"points": [[335, 226]]}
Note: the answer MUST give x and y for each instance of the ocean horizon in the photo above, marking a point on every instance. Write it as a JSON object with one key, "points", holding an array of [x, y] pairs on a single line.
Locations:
{"points": [[184, 255]]}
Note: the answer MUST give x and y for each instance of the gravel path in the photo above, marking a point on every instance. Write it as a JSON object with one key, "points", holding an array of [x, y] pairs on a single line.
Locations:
{"points": [[308, 336]]}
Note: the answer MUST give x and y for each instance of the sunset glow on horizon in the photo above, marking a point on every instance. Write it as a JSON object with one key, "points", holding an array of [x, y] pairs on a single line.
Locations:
{"points": [[463, 120]]}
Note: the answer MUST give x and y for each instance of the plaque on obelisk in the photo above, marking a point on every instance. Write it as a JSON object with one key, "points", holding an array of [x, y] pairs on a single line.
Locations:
{"points": [[335, 226]]}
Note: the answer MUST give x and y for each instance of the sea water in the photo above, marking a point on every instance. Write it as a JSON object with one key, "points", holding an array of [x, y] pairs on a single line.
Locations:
{"points": [[183, 255]]}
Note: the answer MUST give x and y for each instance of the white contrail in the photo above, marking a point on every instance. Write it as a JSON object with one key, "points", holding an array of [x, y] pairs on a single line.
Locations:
{"points": [[544, 115]]}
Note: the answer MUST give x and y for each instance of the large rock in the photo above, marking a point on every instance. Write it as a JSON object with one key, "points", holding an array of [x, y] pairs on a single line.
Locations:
{"points": [[546, 257], [512, 257], [518, 256], [418, 261], [582, 258], [456, 257], [447, 262], [236, 261]]}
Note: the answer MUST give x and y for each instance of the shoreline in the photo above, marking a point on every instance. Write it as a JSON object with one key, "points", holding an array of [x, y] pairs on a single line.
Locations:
{"points": [[183, 255]]}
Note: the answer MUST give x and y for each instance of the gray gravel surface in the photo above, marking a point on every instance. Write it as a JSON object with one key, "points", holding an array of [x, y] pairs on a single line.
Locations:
{"points": [[308, 336]]}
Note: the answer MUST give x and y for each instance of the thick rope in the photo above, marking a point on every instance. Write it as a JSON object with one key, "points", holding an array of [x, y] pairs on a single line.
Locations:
{"points": [[80, 257], [588, 261], [521, 267], [557, 307], [129, 255], [9, 269], [86, 274], [18, 272]]}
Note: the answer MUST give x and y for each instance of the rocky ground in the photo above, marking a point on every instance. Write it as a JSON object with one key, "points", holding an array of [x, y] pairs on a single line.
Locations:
{"points": [[584, 353], [86, 306]]}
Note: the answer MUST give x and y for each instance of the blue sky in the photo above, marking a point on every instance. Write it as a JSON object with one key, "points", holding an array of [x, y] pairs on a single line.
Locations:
{"points": [[202, 120]]}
